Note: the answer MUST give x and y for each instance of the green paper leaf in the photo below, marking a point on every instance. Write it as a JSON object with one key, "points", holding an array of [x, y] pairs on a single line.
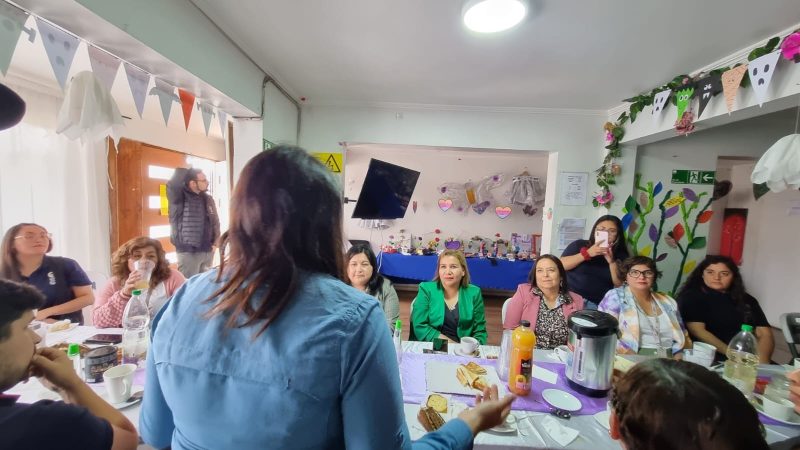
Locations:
{"points": [[697, 243], [630, 203]]}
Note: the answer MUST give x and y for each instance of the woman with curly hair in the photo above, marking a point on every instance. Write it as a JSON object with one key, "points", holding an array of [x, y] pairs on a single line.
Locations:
{"points": [[111, 301]]}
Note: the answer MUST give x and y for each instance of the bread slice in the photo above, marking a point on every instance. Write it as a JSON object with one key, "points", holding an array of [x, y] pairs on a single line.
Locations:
{"points": [[430, 419], [475, 368], [480, 383], [437, 402], [464, 376]]}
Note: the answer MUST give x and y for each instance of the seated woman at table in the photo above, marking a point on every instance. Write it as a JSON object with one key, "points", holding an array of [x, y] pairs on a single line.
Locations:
{"points": [[66, 287], [112, 299], [714, 305], [592, 266], [677, 405], [361, 273], [546, 302], [649, 321], [449, 307], [273, 337]]}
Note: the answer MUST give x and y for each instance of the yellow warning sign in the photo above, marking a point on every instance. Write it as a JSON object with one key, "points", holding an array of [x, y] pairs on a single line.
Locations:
{"points": [[333, 161], [162, 193]]}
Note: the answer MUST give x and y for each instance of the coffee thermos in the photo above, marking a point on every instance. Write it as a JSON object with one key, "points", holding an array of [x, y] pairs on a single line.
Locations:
{"points": [[593, 343]]}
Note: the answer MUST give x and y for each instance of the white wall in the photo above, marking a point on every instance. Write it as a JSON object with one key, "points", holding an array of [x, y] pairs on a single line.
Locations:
{"points": [[280, 117], [576, 136], [437, 166], [246, 143]]}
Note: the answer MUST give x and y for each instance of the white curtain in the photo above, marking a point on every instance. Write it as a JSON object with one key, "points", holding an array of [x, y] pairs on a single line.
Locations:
{"points": [[47, 179]]}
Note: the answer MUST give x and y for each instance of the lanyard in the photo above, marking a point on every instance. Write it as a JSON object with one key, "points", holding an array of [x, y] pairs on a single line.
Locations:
{"points": [[656, 327]]}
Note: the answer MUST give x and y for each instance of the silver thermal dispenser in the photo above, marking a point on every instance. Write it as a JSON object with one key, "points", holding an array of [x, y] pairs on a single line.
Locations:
{"points": [[592, 342]]}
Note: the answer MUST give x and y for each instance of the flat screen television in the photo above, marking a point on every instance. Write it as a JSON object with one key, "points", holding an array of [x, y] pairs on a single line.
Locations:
{"points": [[386, 191]]}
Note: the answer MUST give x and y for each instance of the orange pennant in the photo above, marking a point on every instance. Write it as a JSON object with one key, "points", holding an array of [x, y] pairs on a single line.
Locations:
{"points": [[730, 84], [187, 103]]}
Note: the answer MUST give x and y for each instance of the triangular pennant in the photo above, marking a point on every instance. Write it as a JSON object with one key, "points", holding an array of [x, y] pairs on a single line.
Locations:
{"points": [[760, 71], [208, 112], [660, 103], [187, 104], [223, 121], [138, 80], [60, 47], [12, 21], [706, 88], [166, 95], [683, 97], [104, 66], [730, 84]]}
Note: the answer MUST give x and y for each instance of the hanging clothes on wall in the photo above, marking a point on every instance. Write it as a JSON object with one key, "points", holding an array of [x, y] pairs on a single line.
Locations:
{"points": [[527, 192]]}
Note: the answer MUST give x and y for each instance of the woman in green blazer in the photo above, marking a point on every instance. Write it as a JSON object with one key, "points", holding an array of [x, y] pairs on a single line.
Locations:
{"points": [[449, 307]]}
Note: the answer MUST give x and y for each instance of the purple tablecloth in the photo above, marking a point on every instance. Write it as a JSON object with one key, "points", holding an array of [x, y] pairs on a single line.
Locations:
{"points": [[412, 370]]}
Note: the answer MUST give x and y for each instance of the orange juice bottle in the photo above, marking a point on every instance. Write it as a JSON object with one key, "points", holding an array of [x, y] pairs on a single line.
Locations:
{"points": [[523, 341]]}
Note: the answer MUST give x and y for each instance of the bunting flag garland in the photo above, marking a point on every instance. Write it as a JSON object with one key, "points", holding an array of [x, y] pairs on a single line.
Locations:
{"points": [[730, 84], [138, 80], [60, 47], [208, 112], [187, 103], [166, 95], [707, 87], [223, 122], [12, 22], [104, 66], [684, 97], [760, 71], [660, 103]]}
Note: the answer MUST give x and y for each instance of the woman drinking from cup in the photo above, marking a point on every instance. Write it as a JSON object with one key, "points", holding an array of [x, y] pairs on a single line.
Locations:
{"points": [[649, 321], [138, 264], [546, 302], [592, 265], [714, 305], [449, 307], [362, 274], [66, 287]]}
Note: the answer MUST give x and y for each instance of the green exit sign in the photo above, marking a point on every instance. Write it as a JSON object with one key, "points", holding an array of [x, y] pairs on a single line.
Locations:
{"points": [[693, 176]]}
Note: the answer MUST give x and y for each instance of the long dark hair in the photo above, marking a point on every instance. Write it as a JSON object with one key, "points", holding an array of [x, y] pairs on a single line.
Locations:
{"points": [[620, 247], [9, 265], [563, 288], [677, 405], [286, 218], [119, 260], [376, 280], [737, 291]]}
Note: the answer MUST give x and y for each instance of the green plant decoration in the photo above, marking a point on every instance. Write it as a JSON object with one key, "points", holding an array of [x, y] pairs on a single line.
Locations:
{"points": [[682, 229]]}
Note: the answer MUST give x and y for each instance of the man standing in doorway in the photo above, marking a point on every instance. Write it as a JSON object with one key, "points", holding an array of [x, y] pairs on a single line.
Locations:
{"points": [[193, 219]]}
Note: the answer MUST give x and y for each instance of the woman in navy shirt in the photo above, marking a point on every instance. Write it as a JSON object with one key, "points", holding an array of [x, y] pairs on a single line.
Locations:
{"points": [[64, 284]]}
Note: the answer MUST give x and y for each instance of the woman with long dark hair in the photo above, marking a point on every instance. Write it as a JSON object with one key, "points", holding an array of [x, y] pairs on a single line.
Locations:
{"points": [[361, 272], [271, 349], [591, 264], [546, 302], [715, 305]]}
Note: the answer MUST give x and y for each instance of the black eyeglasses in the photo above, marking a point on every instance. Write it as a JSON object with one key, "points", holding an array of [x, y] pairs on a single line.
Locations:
{"points": [[638, 273]]}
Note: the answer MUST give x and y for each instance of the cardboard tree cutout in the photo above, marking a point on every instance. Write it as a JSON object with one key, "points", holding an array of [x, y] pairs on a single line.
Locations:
{"points": [[760, 71]]}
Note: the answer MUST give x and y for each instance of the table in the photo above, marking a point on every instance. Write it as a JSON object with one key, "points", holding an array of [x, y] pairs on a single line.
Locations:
{"points": [[487, 273]]}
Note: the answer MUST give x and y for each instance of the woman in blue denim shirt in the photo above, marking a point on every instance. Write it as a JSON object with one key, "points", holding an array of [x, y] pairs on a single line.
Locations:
{"points": [[271, 350]]}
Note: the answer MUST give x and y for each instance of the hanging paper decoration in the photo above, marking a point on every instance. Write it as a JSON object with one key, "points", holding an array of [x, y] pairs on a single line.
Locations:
{"points": [[12, 22], [60, 47], [88, 112], [685, 124], [660, 103], [760, 71], [708, 87], [166, 96], [104, 65], [445, 204], [730, 84], [223, 123], [779, 167], [138, 80], [790, 47], [208, 112], [502, 211], [683, 96], [187, 103], [475, 195], [480, 208]]}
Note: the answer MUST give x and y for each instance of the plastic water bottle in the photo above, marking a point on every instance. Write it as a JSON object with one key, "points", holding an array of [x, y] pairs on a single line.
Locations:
{"points": [[742, 364], [398, 340], [135, 324], [74, 354]]}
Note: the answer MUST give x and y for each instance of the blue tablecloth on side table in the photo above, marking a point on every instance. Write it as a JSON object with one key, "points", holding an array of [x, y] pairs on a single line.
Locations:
{"points": [[484, 272]]}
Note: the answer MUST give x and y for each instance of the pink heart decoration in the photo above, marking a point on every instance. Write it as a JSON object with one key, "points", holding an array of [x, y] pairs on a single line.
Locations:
{"points": [[503, 211], [445, 204]]}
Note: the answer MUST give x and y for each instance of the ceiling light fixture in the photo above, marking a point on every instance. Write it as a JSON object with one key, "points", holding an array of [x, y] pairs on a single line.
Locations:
{"points": [[492, 16]]}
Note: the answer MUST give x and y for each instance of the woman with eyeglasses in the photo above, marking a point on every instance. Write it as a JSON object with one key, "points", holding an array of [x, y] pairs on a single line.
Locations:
{"points": [[714, 305], [649, 321], [65, 285]]}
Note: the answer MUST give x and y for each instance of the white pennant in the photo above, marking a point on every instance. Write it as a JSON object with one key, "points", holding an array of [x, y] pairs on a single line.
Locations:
{"points": [[660, 104], [166, 95], [760, 71], [208, 112], [60, 47], [12, 22], [104, 66], [223, 121], [138, 80]]}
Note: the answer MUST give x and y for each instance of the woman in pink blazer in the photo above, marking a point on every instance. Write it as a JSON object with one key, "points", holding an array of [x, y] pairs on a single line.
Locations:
{"points": [[546, 302]]}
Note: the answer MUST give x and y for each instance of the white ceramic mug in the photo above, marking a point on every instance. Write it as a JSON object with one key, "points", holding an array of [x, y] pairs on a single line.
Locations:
{"points": [[468, 345], [778, 408], [119, 382], [562, 351]]}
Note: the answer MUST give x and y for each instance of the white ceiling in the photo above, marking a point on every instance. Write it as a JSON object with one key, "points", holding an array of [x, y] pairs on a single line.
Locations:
{"points": [[567, 54]]}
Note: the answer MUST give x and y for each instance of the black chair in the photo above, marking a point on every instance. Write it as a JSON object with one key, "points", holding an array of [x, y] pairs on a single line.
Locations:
{"points": [[790, 324]]}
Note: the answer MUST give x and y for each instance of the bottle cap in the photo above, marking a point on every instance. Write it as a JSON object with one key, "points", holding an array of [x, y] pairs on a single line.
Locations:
{"points": [[398, 324], [747, 328], [525, 323], [73, 350], [136, 292]]}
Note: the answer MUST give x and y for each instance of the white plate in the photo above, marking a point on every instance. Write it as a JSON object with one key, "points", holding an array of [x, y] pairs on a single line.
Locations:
{"points": [[562, 400], [459, 352], [506, 428], [124, 405], [794, 420], [71, 327], [602, 418]]}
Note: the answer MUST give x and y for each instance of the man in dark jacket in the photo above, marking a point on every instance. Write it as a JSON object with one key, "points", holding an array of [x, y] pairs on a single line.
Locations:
{"points": [[193, 219]]}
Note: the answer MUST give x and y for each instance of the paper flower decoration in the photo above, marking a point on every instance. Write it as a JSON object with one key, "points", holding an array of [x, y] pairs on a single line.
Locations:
{"points": [[603, 197], [88, 112], [779, 167], [790, 47], [685, 125]]}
